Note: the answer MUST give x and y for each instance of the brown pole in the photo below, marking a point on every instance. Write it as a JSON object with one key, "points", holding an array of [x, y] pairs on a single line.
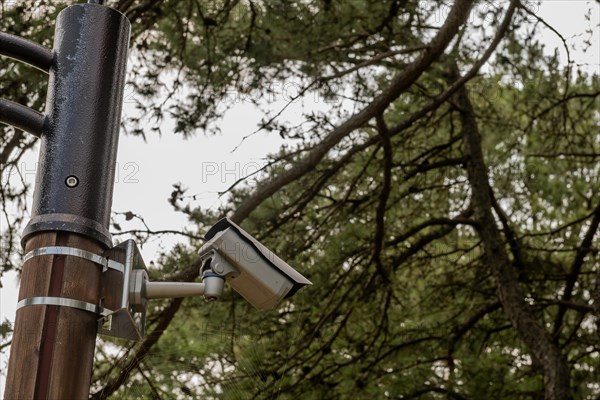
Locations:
{"points": [[53, 347], [52, 352]]}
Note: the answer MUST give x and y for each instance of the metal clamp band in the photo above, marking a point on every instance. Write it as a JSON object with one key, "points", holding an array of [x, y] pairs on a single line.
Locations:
{"points": [[74, 252], [63, 302]]}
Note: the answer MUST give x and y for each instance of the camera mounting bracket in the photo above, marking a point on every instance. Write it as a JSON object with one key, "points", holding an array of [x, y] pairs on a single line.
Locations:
{"points": [[121, 292]]}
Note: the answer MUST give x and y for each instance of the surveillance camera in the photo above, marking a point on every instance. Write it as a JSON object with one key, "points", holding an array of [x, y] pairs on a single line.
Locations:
{"points": [[251, 269]]}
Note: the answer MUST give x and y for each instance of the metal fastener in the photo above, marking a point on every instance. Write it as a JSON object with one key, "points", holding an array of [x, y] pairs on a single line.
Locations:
{"points": [[72, 181]]}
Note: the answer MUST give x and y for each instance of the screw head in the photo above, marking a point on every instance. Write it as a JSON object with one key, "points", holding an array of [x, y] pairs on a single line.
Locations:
{"points": [[72, 181]]}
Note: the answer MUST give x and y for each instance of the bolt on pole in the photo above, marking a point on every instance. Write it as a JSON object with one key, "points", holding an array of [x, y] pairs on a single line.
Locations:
{"points": [[56, 324]]}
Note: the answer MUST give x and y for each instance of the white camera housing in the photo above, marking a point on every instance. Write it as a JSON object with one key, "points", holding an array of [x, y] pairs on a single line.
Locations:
{"points": [[251, 269]]}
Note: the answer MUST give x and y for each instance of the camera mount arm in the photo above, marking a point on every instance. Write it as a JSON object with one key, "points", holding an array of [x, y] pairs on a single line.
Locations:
{"points": [[169, 290], [211, 287]]}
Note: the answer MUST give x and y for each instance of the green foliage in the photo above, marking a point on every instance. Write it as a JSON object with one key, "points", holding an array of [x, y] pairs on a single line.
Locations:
{"points": [[419, 316]]}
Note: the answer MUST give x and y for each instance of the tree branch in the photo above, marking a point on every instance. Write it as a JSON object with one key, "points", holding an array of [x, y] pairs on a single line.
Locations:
{"points": [[460, 81], [582, 251], [461, 330], [457, 16], [530, 330], [152, 338], [384, 133]]}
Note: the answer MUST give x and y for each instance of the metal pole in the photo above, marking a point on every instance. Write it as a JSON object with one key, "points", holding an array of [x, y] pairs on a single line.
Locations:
{"points": [[21, 117], [26, 51], [53, 345]]}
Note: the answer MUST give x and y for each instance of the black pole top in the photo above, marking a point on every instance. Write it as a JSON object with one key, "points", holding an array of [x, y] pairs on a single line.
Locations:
{"points": [[101, 2], [78, 146]]}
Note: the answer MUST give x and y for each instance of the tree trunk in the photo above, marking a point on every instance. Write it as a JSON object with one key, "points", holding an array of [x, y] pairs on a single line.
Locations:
{"points": [[530, 330]]}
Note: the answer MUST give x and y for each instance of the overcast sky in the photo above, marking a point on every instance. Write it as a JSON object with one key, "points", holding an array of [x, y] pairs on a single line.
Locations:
{"points": [[206, 165]]}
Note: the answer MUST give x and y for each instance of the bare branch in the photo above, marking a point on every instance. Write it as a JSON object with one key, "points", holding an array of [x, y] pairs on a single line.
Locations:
{"points": [[457, 16], [582, 252]]}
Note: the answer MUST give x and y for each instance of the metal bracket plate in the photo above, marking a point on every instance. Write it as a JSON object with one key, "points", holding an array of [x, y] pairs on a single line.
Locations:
{"points": [[128, 319]]}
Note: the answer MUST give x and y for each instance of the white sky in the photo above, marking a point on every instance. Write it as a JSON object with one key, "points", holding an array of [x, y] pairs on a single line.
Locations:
{"points": [[205, 165]]}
